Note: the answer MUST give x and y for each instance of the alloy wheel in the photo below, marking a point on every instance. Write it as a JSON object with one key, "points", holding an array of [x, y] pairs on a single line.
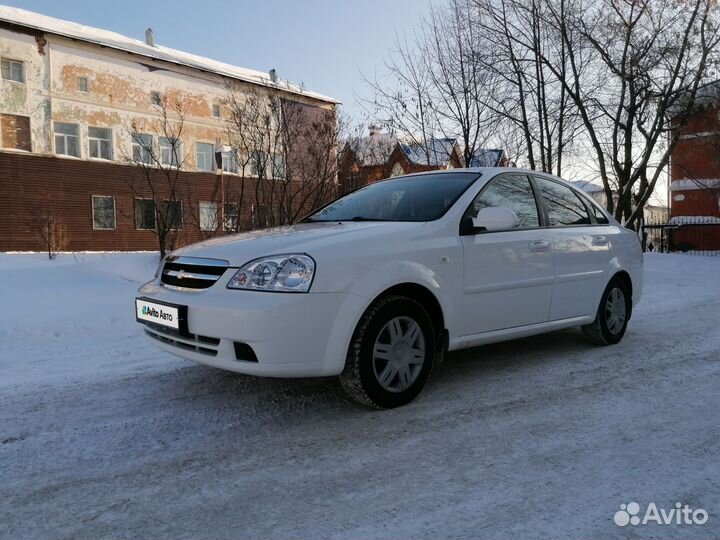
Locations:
{"points": [[615, 310], [398, 354]]}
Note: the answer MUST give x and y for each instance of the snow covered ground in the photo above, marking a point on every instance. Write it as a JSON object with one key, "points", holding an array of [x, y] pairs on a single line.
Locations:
{"points": [[101, 435]]}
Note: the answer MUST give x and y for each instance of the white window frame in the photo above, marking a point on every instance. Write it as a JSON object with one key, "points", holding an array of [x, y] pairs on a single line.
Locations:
{"points": [[10, 62], [261, 161], [213, 164], [236, 206], [274, 167], [135, 214], [65, 137], [92, 204], [135, 143], [173, 150], [182, 214], [232, 159], [98, 141], [202, 205], [87, 85]]}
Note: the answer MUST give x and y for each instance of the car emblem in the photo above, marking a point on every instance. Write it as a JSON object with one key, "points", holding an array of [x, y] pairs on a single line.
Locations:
{"points": [[181, 274]]}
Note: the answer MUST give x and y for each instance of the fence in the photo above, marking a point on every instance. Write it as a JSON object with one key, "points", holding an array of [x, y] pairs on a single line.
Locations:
{"points": [[695, 235]]}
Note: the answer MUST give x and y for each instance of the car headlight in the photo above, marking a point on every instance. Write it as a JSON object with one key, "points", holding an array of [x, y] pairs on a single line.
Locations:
{"points": [[279, 273]]}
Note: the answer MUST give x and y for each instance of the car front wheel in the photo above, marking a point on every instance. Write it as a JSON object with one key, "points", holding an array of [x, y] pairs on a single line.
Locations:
{"points": [[391, 354]]}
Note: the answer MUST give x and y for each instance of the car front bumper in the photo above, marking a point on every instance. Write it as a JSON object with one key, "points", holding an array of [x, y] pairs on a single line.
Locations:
{"points": [[291, 334]]}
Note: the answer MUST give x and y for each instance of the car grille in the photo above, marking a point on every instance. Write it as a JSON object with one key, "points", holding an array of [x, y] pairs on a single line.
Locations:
{"points": [[192, 272], [190, 342]]}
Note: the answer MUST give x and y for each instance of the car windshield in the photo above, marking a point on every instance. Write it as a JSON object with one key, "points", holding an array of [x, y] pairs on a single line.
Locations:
{"points": [[424, 197]]}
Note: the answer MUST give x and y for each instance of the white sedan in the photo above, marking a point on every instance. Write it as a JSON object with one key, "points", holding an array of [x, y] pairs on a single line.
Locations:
{"points": [[376, 286]]}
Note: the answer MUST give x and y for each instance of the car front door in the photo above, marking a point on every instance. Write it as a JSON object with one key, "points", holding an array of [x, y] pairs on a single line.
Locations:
{"points": [[581, 248], [507, 274]]}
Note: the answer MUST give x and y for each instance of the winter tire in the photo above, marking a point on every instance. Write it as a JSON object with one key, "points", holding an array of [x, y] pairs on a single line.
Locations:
{"points": [[391, 354], [612, 316]]}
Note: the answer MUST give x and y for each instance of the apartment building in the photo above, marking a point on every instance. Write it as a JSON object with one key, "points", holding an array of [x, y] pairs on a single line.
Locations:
{"points": [[80, 108]]}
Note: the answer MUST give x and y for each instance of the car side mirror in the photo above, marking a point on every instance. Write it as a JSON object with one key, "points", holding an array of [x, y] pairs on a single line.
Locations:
{"points": [[495, 219]]}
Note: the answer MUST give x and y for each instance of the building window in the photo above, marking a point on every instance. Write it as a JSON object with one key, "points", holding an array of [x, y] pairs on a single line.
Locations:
{"points": [[261, 216], [205, 156], [145, 214], [100, 142], [170, 150], [142, 148], [103, 212], [278, 166], [155, 98], [82, 85], [229, 163], [15, 132], [231, 214], [258, 163], [216, 111], [173, 215], [208, 216], [12, 70], [66, 139]]}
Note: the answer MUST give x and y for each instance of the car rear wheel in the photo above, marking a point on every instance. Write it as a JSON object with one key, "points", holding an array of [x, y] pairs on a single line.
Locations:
{"points": [[612, 315], [391, 354]]}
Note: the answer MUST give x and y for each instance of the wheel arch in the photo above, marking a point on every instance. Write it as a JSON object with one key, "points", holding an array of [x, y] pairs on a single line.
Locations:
{"points": [[625, 278], [424, 296]]}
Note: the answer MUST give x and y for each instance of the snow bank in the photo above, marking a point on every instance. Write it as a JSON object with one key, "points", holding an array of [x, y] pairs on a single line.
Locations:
{"points": [[67, 316]]}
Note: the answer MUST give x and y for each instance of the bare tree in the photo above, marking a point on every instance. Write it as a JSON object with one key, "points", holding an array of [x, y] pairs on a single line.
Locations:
{"points": [[402, 100], [524, 94], [610, 83], [453, 49], [49, 229], [158, 160], [647, 61], [284, 153]]}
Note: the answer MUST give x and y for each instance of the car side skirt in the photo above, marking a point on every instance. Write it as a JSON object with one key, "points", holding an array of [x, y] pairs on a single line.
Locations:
{"points": [[463, 342]]}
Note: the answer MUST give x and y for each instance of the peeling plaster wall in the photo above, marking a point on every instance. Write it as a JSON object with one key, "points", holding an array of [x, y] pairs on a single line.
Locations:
{"points": [[120, 94], [121, 87], [32, 98]]}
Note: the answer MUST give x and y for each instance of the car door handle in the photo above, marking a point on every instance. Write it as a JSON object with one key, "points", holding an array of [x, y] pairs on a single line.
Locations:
{"points": [[539, 245], [599, 241]]}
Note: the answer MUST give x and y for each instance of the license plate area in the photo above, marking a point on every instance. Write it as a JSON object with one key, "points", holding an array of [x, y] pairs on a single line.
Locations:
{"points": [[154, 313]]}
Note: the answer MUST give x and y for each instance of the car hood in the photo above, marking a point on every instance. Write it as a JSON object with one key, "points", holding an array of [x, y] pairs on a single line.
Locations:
{"points": [[309, 238]]}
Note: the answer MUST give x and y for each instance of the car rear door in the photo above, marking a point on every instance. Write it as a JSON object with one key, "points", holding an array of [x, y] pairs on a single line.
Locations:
{"points": [[581, 249], [507, 274]]}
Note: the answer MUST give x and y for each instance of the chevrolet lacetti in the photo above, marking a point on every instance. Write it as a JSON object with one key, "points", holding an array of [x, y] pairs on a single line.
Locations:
{"points": [[376, 286]]}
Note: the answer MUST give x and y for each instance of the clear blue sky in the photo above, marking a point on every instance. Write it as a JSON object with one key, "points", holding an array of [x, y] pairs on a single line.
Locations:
{"points": [[323, 43]]}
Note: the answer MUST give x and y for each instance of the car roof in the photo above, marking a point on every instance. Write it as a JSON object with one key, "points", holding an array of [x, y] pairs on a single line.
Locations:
{"points": [[482, 170]]}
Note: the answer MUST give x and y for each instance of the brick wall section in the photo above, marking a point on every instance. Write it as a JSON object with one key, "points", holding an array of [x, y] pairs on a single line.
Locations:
{"points": [[65, 186], [697, 156]]}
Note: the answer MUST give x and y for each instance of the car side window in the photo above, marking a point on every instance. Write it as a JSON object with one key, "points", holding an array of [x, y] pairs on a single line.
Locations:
{"points": [[509, 191], [599, 216], [563, 206]]}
